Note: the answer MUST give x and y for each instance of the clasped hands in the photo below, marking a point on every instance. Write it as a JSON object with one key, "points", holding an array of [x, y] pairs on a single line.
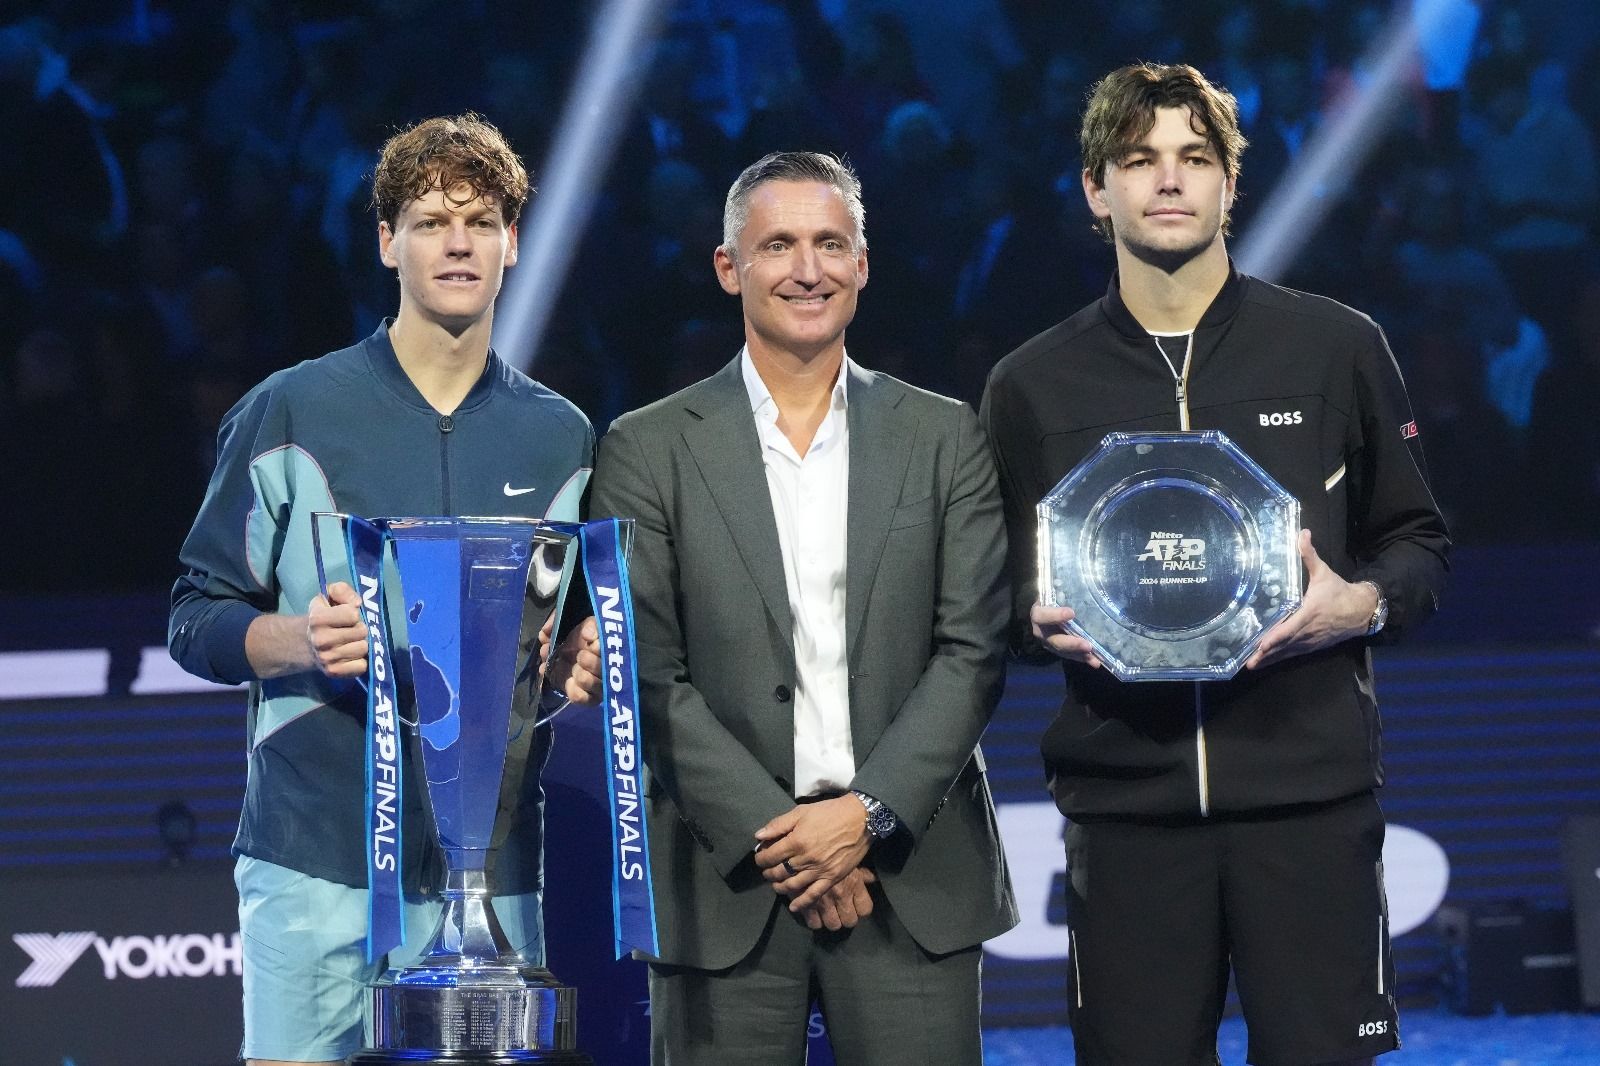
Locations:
{"points": [[1332, 610], [812, 854], [337, 637]]}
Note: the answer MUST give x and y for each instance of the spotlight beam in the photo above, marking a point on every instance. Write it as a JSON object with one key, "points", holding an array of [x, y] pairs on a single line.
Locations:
{"points": [[613, 66], [1303, 196]]}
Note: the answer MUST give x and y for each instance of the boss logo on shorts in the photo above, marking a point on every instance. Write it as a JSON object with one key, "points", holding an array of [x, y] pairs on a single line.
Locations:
{"points": [[1372, 1028], [1281, 418]]}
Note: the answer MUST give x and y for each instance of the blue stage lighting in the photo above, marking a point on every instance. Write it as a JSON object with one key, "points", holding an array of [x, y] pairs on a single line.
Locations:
{"points": [[1291, 214], [614, 64]]}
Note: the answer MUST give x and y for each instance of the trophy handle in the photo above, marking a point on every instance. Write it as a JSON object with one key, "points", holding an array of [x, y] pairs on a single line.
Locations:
{"points": [[330, 533], [562, 537], [318, 518]]}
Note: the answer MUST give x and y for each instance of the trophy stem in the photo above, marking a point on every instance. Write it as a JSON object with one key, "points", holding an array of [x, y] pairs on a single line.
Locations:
{"points": [[469, 936], [471, 999]]}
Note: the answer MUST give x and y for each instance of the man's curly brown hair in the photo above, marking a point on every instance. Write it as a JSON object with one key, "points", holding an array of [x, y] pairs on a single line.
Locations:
{"points": [[446, 153]]}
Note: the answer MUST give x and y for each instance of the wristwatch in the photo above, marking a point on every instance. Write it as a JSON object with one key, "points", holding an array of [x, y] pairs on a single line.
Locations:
{"points": [[881, 821], [1380, 613]]}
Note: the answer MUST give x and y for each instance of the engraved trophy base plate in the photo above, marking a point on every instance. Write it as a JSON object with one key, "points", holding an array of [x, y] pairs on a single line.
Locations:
{"points": [[492, 1024], [469, 1058]]}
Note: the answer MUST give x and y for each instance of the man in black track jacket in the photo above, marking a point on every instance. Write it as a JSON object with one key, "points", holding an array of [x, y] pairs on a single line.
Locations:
{"points": [[1222, 823]]}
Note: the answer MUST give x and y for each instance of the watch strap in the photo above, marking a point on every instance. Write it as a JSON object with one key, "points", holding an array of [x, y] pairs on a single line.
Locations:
{"points": [[1380, 611], [881, 821]]}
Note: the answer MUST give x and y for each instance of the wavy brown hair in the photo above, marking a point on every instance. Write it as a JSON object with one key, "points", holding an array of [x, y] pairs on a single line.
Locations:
{"points": [[445, 153], [1122, 110]]}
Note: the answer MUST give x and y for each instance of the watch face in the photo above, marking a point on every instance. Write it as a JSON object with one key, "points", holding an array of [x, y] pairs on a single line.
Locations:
{"points": [[1175, 552]]}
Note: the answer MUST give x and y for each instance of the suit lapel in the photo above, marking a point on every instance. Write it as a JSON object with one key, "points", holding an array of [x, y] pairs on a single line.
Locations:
{"points": [[728, 452], [880, 451]]}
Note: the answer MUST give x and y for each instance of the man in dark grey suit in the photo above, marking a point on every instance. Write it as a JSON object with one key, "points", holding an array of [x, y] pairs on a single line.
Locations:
{"points": [[818, 587]]}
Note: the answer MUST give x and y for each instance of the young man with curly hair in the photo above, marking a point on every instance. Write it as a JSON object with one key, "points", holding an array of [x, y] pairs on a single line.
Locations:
{"points": [[420, 418]]}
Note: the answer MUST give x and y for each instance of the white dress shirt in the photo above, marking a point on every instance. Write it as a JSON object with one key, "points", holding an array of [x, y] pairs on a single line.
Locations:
{"points": [[810, 497]]}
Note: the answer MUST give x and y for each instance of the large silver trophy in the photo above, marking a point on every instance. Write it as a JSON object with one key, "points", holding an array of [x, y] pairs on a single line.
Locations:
{"points": [[1175, 551], [475, 592]]}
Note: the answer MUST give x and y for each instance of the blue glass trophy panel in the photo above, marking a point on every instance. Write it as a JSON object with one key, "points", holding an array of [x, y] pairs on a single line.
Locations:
{"points": [[476, 591], [1175, 551]]}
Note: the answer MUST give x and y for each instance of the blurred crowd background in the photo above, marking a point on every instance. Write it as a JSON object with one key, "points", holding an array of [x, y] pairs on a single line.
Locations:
{"points": [[183, 209]]}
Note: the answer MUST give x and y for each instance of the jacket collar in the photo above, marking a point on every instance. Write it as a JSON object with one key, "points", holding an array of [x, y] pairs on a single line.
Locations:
{"points": [[386, 367], [725, 444], [1222, 309]]}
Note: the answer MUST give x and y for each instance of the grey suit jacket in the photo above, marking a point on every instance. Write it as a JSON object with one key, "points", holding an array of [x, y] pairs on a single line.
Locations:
{"points": [[926, 606]]}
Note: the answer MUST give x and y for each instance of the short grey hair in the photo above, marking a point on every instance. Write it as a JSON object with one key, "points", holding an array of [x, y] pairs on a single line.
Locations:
{"points": [[792, 166]]}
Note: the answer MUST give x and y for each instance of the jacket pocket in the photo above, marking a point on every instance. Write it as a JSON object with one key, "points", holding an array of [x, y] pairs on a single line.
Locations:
{"points": [[916, 513]]}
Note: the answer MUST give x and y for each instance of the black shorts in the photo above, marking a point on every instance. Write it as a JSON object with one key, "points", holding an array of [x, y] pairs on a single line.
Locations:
{"points": [[1293, 899]]}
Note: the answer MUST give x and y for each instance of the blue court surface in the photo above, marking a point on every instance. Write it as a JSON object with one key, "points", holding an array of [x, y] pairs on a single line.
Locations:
{"points": [[1428, 1038]]}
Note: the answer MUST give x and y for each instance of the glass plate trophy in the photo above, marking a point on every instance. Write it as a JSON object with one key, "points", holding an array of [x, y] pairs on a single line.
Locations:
{"points": [[1175, 551], [476, 592]]}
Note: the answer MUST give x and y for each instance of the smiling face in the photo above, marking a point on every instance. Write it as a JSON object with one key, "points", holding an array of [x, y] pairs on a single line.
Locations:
{"points": [[796, 269], [450, 252], [1167, 196]]}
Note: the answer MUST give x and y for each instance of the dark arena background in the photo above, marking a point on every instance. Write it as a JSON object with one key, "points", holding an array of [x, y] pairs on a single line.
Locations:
{"points": [[184, 211]]}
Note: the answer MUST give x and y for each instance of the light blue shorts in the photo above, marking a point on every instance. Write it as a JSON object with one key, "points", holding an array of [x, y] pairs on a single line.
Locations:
{"points": [[305, 965]]}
